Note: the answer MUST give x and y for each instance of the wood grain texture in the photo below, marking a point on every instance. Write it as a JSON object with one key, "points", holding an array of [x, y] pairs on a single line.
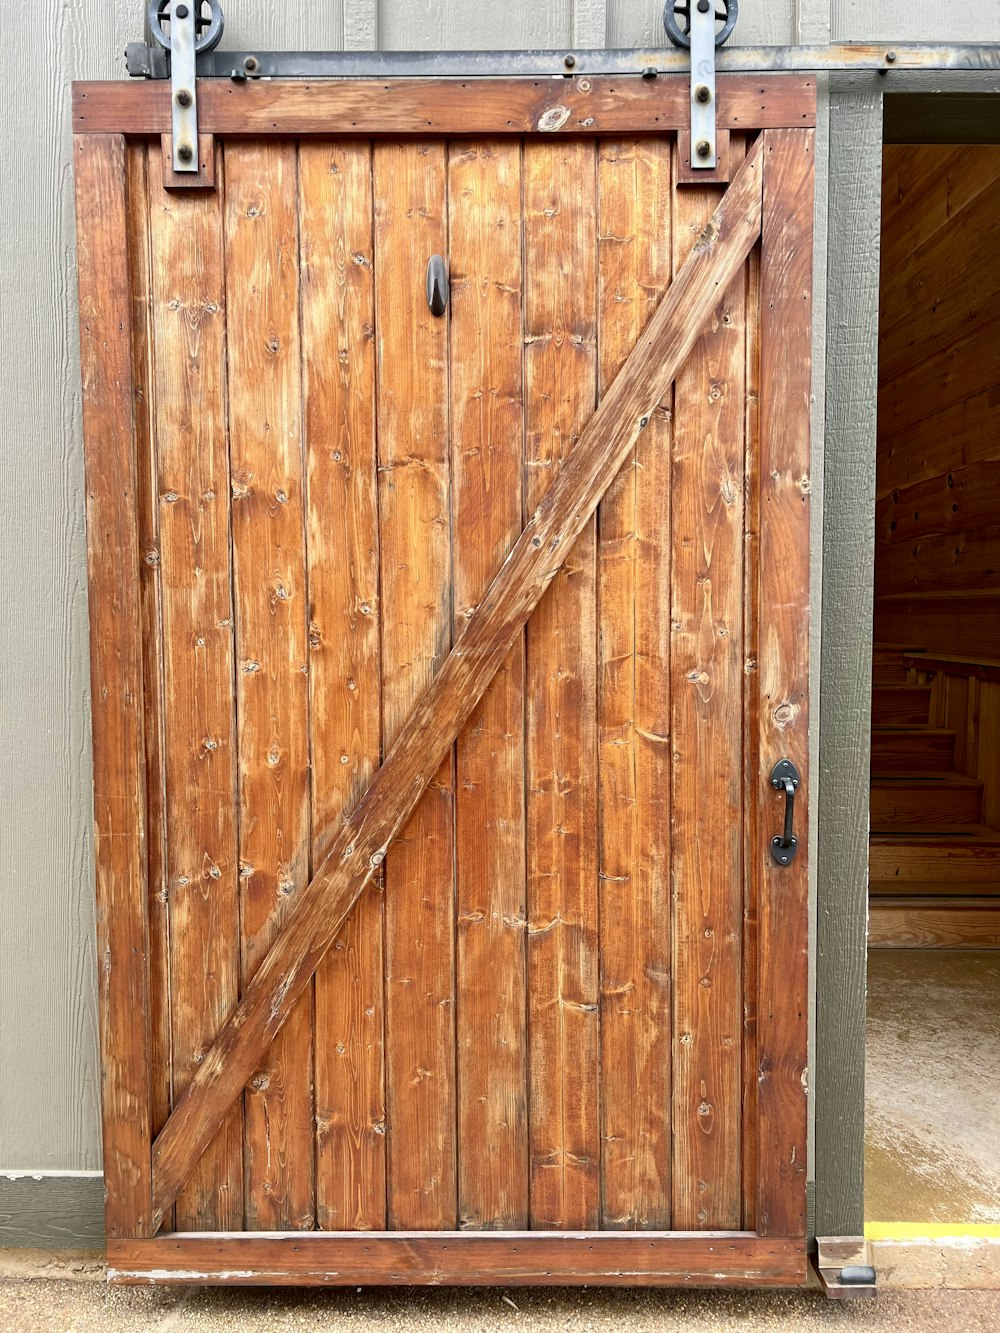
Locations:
{"points": [[753, 828], [634, 264], [199, 759], [416, 574], [338, 359], [523, 1258], [706, 681], [588, 106], [484, 200], [116, 679], [560, 330], [786, 324], [955, 500], [271, 603], [934, 923], [437, 717], [140, 277]]}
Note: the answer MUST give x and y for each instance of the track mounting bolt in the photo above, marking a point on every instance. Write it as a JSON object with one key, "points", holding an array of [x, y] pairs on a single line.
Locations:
{"points": [[250, 64], [890, 57], [570, 62]]}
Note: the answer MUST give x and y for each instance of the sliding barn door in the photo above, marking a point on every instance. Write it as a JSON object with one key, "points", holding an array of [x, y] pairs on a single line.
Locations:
{"points": [[561, 1032]]}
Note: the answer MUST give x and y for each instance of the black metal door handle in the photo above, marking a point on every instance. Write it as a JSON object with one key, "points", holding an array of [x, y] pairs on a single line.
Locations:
{"points": [[437, 284], [785, 777]]}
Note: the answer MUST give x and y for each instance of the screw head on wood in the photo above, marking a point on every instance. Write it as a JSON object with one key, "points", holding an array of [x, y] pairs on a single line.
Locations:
{"points": [[703, 148]]}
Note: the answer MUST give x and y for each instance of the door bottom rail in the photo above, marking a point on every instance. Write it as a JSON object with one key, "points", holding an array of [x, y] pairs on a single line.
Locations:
{"points": [[461, 1258]]}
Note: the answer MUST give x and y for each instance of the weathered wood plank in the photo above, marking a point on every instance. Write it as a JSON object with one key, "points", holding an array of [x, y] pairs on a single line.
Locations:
{"points": [[560, 331], [109, 436], [470, 1258], [484, 196], [338, 366], [752, 827], [193, 499], [439, 714], [590, 105], [706, 678], [271, 617], [634, 259], [785, 334], [147, 510], [414, 508]]}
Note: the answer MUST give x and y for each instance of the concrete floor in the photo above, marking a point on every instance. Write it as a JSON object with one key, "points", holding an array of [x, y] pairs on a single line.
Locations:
{"points": [[933, 1087], [90, 1307]]}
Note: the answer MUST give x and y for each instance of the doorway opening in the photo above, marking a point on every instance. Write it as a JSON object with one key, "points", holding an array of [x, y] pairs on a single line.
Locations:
{"points": [[932, 1151]]}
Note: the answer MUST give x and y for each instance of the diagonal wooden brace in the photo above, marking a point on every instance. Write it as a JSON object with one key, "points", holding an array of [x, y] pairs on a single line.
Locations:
{"points": [[444, 709]]}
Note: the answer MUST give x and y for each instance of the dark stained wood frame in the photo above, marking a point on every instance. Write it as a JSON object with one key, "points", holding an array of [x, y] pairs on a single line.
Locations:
{"points": [[103, 115], [589, 105]]}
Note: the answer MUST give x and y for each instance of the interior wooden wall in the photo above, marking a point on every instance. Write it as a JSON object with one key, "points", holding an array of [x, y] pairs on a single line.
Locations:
{"points": [[937, 569]]}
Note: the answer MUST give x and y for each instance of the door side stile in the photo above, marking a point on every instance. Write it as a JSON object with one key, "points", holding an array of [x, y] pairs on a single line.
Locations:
{"points": [[785, 341], [107, 373]]}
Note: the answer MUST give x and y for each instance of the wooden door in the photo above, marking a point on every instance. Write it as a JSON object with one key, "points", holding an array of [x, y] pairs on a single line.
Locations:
{"points": [[561, 1034]]}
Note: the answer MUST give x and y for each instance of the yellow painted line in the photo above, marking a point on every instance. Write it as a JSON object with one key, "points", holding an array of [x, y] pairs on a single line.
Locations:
{"points": [[932, 1231]]}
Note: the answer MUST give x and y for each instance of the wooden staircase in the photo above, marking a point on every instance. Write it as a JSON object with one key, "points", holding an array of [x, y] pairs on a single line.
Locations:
{"points": [[934, 865]]}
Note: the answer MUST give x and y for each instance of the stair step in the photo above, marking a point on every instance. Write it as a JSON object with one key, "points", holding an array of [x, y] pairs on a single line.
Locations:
{"points": [[906, 922], [932, 799], [888, 667], [914, 747], [889, 673], [900, 703], [932, 888], [959, 852]]}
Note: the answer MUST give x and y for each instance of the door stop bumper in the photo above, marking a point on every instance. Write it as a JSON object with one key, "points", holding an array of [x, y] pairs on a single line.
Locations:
{"points": [[844, 1267]]}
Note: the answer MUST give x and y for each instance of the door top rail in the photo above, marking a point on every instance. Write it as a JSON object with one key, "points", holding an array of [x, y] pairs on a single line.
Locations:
{"points": [[153, 62]]}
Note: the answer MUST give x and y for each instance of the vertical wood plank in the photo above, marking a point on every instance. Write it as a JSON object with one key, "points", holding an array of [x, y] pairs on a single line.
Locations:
{"points": [[484, 195], [785, 333], [271, 620], [561, 763], [634, 256], [414, 508], [152, 631], [192, 468], [752, 828], [338, 356], [116, 678], [706, 673]]}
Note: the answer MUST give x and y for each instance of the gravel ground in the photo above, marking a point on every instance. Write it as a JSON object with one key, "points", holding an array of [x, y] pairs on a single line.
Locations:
{"points": [[38, 1306]]}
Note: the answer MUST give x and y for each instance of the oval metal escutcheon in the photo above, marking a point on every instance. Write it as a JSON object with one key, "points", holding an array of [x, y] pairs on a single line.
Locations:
{"points": [[437, 285]]}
